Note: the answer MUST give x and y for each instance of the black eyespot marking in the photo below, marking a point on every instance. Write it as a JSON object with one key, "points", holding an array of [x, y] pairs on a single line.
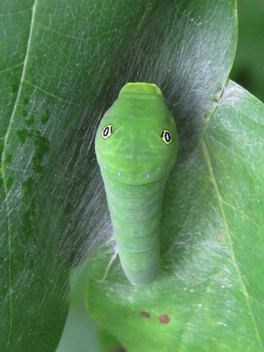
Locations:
{"points": [[166, 136], [107, 131]]}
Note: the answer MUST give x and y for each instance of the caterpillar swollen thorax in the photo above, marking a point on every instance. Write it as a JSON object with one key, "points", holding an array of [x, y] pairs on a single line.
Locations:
{"points": [[136, 146]]}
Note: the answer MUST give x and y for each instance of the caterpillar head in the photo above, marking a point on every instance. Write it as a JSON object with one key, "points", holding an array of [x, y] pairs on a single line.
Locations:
{"points": [[136, 141]]}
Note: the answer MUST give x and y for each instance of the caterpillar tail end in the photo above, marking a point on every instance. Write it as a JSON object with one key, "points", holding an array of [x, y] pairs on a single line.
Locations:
{"points": [[143, 277]]}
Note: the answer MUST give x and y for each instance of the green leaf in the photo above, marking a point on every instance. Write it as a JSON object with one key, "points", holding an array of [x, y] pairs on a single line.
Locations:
{"points": [[61, 66], [209, 296]]}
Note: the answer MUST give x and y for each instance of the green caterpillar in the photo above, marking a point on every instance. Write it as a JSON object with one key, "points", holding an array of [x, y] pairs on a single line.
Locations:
{"points": [[136, 146]]}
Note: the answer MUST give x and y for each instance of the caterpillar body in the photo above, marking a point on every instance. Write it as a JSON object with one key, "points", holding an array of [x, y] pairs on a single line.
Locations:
{"points": [[136, 146]]}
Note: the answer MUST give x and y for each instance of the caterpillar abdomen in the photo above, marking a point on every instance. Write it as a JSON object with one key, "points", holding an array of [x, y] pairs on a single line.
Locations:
{"points": [[135, 213]]}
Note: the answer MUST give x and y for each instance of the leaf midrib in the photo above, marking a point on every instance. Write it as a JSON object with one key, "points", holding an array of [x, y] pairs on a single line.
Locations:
{"points": [[3, 171], [230, 244]]}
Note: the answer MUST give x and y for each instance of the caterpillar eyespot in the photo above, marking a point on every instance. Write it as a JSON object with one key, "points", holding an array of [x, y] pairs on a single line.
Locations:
{"points": [[166, 136], [135, 166], [107, 131]]}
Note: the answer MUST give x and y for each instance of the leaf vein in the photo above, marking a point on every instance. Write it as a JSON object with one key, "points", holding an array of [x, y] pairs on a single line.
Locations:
{"points": [[50, 94]]}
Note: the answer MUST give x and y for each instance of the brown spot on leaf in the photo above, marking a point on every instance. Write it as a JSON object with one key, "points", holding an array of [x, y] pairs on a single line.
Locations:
{"points": [[219, 234], [164, 319], [145, 314]]}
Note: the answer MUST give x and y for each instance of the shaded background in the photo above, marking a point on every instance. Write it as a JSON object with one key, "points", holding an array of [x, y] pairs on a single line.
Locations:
{"points": [[81, 334], [248, 68]]}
